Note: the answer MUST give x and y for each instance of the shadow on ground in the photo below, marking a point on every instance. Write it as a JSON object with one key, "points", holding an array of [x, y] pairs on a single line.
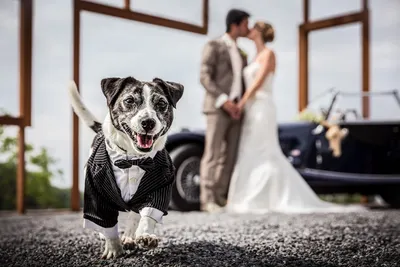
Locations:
{"points": [[211, 254]]}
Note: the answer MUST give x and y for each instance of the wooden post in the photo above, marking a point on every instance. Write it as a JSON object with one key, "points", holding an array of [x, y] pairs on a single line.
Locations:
{"points": [[306, 11], [205, 16], [21, 173], [303, 59], [25, 86], [365, 60], [25, 60], [303, 68], [75, 195], [127, 4]]}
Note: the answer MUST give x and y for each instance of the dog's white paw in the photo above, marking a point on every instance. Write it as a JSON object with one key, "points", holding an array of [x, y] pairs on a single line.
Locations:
{"points": [[113, 249], [128, 242], [147, 241]]}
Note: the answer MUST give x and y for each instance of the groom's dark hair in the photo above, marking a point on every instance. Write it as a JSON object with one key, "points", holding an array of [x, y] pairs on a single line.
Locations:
{"points": [[235, 16]]}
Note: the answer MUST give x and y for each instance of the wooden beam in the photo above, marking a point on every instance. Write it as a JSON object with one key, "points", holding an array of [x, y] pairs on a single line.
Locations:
{"points": [[145, 18], [25, 60], [75, 195], [333, 22], [365, 64], [8, 120], [303, 68]]}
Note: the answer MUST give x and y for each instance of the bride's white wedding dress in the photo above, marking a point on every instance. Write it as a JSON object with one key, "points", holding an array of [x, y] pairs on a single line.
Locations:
{"points": [[263, 179]]}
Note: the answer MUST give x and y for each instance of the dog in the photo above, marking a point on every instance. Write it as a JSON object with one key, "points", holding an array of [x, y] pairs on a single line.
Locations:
{"points": [[129, 168]]}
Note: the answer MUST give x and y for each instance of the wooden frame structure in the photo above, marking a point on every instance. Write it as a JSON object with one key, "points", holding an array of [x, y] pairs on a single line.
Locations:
{"points": [[306, 27], [25, 68], [25, 95], [124, 13]]}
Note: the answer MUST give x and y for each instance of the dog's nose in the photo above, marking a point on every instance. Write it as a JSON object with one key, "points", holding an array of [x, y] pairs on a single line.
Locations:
{"points": [[148, 124]]}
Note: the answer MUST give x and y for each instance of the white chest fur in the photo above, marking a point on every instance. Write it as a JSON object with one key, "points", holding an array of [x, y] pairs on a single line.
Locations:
{"points": [[128, 180]]}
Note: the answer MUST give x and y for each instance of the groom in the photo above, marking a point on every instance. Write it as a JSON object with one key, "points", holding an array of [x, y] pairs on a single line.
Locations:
{"points": [[221, 75]]}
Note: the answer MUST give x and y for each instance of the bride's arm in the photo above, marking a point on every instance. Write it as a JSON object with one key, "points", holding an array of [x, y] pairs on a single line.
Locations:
{"points": [[265, 68]]}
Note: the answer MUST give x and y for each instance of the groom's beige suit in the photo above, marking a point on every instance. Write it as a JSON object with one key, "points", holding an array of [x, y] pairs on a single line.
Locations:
{"points": [[221, 75]]}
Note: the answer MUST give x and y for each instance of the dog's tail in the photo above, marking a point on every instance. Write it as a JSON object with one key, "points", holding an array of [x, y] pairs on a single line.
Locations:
{"points": [[80, 109]]}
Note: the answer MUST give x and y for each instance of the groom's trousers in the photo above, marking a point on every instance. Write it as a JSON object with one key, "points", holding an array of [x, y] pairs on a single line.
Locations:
{"points": [[221, 143]]}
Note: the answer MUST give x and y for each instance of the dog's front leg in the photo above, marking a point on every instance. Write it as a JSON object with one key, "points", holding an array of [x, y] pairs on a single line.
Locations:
{"points": [[113, 248], [145, 236], [128, 238]]}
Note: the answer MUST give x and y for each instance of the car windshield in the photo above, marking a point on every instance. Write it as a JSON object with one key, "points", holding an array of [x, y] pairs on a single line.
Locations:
{"points": [[336, 105]]}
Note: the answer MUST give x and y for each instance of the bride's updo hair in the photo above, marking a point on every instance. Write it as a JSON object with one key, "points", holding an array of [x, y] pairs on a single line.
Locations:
{"points": [[267, 31]]}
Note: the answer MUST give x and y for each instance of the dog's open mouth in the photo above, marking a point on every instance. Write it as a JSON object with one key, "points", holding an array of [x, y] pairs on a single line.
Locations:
{"points": [[144, 140]]}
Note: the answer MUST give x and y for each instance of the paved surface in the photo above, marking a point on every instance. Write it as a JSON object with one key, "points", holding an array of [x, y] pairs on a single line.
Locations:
{"points": [[198, 239]]}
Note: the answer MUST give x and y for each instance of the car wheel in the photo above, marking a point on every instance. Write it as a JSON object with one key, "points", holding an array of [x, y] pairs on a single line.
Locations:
{"points": [[392, 198], [186, 189]]}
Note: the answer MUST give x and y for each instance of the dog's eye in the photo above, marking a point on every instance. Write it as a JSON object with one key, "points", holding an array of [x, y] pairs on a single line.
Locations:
{"points": [[162, 105], [129, 101]]}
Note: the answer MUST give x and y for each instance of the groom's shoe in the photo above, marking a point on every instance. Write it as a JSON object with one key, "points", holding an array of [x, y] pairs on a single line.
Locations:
{"points": [[223, 202], [211, 207]]}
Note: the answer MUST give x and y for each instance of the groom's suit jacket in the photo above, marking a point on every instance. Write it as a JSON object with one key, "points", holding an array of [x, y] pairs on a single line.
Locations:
{"points": [[216, 72]]}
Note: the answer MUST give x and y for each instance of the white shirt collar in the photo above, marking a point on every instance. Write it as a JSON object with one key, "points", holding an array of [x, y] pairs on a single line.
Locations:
{"points": [[228, 40]]}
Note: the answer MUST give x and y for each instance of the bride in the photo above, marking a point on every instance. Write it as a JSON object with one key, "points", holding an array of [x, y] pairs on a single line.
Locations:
{"points": [[263, 179]]}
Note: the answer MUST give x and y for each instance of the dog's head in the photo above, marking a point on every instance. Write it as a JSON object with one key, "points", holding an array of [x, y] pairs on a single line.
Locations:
{"points": [[141, 110]]}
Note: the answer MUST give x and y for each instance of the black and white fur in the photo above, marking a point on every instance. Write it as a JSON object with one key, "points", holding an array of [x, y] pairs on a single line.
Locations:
{"points": [[140, 115]]}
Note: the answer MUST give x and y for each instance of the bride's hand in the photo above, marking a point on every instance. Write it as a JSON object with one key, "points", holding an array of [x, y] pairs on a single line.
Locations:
{"points": [[241, 105]]}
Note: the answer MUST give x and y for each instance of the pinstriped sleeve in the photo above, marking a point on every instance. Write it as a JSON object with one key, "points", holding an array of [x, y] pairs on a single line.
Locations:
{"points": [[97, 208], [159, 199]]}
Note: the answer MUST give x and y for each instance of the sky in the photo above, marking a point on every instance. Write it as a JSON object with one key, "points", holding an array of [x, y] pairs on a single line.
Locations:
{"points": [[117, 47]]}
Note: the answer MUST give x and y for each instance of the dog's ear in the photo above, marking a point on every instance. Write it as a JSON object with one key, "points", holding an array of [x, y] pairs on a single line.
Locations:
{"points": [[172, 90], [113, 86]]}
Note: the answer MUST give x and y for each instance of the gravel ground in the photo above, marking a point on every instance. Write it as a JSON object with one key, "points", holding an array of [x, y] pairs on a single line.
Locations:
{"points": [[199, 239]]}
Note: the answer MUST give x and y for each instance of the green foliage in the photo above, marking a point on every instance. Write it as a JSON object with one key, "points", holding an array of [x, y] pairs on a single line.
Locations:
{"points": [[39, 173], [310, 116]]}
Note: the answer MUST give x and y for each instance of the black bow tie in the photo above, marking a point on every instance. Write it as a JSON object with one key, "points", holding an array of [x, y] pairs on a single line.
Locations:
{"points": [[144, 163]]}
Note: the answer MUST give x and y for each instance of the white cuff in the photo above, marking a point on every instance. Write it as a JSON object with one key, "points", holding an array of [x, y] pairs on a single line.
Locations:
{"points": [[153, 213], [221, 99], [111, 232]]}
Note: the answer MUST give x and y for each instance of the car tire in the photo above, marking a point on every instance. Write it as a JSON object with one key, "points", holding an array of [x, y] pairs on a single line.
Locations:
{"points": [[186, 189], [392, 198]]}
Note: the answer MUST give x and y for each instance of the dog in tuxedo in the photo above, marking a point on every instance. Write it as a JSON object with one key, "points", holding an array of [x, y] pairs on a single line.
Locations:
{"points": [[129, 169]]}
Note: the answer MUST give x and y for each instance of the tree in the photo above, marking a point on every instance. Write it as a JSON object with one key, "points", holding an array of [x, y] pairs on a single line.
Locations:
{"points": [[40, 171]]}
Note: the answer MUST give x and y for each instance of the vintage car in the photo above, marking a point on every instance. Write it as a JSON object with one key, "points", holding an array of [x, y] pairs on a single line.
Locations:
{"points": [[366, 160]]}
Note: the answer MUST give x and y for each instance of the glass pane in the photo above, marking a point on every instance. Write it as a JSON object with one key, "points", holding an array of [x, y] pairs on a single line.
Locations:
{"points": [[113, 3], [285, 17], [335, 61], [321, 9], [9, 67], [125, 48], [385, 54], [181, 10]]}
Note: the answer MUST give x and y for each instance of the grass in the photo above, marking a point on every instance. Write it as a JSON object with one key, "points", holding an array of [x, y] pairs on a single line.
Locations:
{"points": [[342, 198]]}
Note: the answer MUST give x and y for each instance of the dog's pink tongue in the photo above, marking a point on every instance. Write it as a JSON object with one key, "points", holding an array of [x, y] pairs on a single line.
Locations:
{"points": [[145, 141]]}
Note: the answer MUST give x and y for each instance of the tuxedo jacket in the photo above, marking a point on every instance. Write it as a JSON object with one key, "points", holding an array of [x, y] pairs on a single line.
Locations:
{"points": [[102, 196]]}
